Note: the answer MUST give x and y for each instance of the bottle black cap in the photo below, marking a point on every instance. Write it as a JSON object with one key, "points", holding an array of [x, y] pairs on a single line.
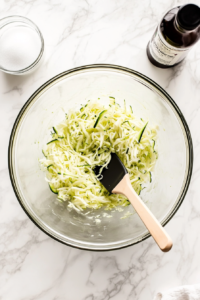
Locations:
{"points": [[188, 16]]}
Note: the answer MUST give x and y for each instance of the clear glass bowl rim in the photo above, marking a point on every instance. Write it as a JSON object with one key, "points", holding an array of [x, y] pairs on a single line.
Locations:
{"points": [[13, 19], [113, 67]]}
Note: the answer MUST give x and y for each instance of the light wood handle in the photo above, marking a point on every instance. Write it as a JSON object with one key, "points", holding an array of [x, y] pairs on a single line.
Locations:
{"points": [[157, 231]]}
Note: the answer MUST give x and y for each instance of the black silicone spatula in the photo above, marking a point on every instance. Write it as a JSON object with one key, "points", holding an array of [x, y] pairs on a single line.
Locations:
{"points": [[116, 180]]}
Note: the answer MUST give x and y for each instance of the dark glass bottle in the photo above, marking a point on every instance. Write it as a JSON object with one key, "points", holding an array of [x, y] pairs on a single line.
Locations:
{"points": [[177, 32]]}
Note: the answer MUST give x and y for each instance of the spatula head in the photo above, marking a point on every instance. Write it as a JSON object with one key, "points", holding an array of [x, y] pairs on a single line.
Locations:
{"points": [[113, 174]]}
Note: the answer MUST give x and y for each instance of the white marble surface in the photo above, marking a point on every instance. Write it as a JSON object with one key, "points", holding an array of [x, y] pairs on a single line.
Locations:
{"points": [[32, 265]]}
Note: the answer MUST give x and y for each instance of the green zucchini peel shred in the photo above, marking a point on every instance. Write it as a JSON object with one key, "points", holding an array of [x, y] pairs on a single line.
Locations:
{"points": [[99, 117], [141, 133], [55, 140]]}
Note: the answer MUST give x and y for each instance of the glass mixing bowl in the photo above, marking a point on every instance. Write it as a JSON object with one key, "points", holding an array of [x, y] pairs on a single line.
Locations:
{"points": [[47, 107]]}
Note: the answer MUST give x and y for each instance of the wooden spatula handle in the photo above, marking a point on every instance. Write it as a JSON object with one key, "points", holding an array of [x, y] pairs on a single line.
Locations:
{"points": [[157, 231]]}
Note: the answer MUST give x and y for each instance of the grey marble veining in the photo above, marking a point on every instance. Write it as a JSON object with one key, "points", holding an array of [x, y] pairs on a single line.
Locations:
{"points": [[32, 265]]}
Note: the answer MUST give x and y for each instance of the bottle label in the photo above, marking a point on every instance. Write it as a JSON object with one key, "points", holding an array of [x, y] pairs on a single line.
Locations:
{"points": [[163, 52]]}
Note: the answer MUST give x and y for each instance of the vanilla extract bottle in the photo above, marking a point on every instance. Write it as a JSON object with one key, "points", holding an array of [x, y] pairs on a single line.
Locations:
{"points": [[177, 32]]}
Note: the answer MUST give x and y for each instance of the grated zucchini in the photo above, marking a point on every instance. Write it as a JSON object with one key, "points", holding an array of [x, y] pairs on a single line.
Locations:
{"points": [[82, 143]]}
